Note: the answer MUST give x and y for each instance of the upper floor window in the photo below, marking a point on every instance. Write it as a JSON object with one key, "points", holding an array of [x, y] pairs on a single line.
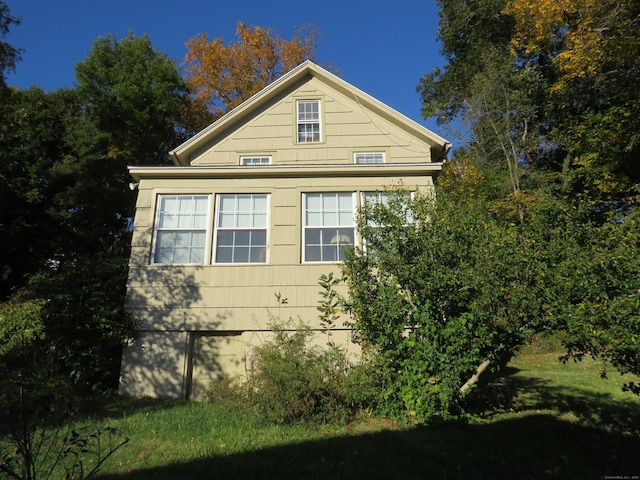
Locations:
{"points": [[241, 228], [328, 226], [368, 157], [181, 229], [308, 120], [255, 160]]}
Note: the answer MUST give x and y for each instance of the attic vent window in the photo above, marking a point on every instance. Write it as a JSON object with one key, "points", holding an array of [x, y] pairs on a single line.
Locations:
{"points": [[308, 113], [368, 157], [255, 160]]}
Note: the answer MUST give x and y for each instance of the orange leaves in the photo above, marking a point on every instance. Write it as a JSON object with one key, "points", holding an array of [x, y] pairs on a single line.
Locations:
{"points": [[569, 30], [223, 76]]}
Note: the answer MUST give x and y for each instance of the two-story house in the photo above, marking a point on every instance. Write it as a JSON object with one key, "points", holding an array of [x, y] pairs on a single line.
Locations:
{"points": [[260, 203]]}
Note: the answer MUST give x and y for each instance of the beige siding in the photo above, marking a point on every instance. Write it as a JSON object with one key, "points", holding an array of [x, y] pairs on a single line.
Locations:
{"points": [[199, 323], [346, 126]]}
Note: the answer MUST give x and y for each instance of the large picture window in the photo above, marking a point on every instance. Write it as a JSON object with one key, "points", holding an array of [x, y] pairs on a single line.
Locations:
{"points": [[308, 120], [241, 228], [181, 229], [328, 226]]}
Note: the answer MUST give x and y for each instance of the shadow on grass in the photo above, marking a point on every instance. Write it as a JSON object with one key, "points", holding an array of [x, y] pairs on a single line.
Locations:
{"points": [[555, 433], [511, 393]]}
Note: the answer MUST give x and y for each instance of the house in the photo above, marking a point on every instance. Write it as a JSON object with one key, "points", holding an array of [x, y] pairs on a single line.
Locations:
{"points": [[259, 204]]}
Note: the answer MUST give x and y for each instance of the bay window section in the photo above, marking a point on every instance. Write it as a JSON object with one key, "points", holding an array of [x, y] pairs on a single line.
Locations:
{"points": [[241, 228], [328, 226], [180, 235]]}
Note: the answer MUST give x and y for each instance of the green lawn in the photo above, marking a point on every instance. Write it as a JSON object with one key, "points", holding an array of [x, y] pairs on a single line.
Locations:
{"points": [[548, 420]]}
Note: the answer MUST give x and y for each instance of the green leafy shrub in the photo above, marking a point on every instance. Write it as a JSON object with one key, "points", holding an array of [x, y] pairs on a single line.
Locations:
{"points": [[294, 380]]}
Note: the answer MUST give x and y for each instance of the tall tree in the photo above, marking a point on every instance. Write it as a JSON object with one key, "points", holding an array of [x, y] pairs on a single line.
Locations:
{"points": [[223, 76], [66, 205], [593, 50], [135, 95]]}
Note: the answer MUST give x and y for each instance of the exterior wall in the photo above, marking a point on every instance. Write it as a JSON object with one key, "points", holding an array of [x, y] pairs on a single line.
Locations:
{"points": [[347, 127], [199, 323], [176, 303]]}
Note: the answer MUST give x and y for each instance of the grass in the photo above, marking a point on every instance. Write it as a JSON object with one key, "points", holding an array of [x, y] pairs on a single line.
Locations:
{"points": [[545, 420]]}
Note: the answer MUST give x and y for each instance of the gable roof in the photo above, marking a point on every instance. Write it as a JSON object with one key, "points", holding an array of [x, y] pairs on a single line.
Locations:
{"points": [[182, 154]]}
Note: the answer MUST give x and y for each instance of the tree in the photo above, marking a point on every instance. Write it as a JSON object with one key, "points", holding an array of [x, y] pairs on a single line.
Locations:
{"points": [[549, 101], [223, 76], [136, 97], [592, 49], [66, 206], [9, 55]]}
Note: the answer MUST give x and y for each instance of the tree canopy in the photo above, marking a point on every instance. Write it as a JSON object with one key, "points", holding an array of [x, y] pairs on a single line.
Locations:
{"points": [[66, 207], [221, 76]]}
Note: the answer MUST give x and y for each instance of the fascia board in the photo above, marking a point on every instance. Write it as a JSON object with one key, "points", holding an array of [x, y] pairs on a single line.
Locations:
{"points": [[287, 171]]}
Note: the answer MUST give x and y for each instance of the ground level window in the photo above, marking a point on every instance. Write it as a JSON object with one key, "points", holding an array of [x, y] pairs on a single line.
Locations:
{"points": [[241, 228], [180, 229], [328, 226]]}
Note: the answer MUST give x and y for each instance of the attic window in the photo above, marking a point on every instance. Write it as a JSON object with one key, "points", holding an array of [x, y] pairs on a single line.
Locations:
{"points": [[308, 120], [255, 160], [368, 157]]}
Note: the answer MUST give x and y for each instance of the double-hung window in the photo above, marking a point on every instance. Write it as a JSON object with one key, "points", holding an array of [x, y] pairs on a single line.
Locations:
{"points": [[181, 229], [328, 226], [241, 228], [308, 121], [400, 202]]}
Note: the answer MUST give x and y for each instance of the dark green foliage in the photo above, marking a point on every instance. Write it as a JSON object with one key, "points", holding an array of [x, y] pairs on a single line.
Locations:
{"points": [[65, 204], [9, 54], [135, 95]]}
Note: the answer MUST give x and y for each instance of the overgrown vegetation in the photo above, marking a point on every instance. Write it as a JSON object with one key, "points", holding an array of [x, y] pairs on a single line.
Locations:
{"points": [[539, 419]]}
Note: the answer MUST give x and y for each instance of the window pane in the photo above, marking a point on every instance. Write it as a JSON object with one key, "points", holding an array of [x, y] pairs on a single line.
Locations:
{"points": [[241, 237], [329, 201], [258, 255], [259, 238], [224, 254], [225, 237], [329, 253], [312, 253], [260, 203], [329, 218], [243, 220], [346, 218], [314, 201], [345, 201], [165, 239], [241, 255]]}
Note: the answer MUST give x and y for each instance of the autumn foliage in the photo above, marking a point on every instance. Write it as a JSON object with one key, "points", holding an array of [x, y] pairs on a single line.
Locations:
{"points": [[222, 76]]}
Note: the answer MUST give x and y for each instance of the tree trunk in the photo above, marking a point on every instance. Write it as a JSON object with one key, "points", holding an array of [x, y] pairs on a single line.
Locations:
{"points": [[475, 377]]}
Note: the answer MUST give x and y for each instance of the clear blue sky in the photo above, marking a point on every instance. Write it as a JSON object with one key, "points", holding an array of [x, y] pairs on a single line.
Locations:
{"points": [[383, 48]]}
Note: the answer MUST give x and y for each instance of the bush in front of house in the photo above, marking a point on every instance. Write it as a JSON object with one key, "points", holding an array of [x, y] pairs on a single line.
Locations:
{"points": [[294, 380]]}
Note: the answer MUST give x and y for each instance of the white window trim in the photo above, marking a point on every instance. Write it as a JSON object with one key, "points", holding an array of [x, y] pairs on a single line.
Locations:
{"points": [[354, 208], [216, 229], [156, 228], [247, 158], [306, 122], [356, 154]]}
